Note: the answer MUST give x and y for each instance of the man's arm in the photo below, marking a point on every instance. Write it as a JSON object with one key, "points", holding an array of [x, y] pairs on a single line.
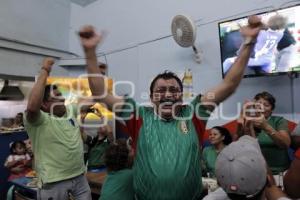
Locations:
{"points": [[235, 73], [37, 92], [89, 41]]}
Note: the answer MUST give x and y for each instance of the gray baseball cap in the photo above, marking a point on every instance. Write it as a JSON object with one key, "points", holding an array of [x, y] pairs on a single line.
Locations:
{"points": [[241, 168]]}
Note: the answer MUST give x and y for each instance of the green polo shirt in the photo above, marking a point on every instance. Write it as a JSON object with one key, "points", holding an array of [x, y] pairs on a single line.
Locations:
{"points": [[57, 146], [276, 157], [118, 185], [168, 154]]}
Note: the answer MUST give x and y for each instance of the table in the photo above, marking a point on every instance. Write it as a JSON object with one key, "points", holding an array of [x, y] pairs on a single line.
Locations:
{"points": [[21, 186]]}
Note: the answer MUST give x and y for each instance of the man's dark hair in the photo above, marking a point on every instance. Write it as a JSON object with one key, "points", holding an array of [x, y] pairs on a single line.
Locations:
{"points": [[266, 96], [166, 75], [224, 132], [47, 92], [117, 155], [14, 145]]}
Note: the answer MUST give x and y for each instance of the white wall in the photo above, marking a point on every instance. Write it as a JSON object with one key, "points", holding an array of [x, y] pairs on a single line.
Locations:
{"points": [[139, 24]]}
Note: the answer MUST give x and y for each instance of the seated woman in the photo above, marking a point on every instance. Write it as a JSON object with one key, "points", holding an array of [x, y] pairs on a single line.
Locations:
{"points": [[272, 133], [219, 137]]}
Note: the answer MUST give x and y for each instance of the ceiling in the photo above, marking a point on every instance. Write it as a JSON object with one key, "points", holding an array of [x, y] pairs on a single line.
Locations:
{"points": [[83, 2]]}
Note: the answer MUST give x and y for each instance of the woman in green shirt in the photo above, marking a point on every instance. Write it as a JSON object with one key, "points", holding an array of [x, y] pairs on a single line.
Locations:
{"points": [[218, 137], [272, 134]]}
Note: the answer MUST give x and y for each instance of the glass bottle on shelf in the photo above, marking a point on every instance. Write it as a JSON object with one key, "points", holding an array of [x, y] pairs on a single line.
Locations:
{"points": [[187, 83]]}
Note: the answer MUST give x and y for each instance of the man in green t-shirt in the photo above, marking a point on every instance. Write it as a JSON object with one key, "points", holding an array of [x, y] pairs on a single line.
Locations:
{"points": [[166, 136], [56, 141]]}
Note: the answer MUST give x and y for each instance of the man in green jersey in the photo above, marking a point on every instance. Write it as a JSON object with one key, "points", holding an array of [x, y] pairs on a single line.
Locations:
{"points": [[166, 136]]}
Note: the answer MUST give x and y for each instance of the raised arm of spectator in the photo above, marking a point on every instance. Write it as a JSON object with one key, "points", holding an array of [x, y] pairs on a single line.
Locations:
{"points": [[37, 92], [245, 124], [89, 41], [235, 74]]}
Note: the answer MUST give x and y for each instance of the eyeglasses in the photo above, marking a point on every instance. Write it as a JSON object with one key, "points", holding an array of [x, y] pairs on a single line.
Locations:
{"points": [[172, 89]]}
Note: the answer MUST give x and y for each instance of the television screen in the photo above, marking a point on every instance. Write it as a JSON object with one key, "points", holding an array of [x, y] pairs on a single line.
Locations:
{"points": [[277, 50]]}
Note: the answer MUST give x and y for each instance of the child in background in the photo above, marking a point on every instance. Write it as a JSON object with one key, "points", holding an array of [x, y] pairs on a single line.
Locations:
{"points": [[98, 147], [118, 184], [19, 161]]}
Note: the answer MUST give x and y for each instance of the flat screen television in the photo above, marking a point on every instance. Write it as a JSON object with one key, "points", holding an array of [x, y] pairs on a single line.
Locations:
{"points": [[277, 50]]}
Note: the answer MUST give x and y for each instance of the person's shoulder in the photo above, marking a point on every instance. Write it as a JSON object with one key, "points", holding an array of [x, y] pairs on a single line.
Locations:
{"points": [[146, 110], [208, 148], [72, 108], [276, 118], [43, 117], [197, 99]]}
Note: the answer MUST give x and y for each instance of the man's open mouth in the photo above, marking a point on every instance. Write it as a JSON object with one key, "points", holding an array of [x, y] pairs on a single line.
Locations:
{"points": [[167, 104]]}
